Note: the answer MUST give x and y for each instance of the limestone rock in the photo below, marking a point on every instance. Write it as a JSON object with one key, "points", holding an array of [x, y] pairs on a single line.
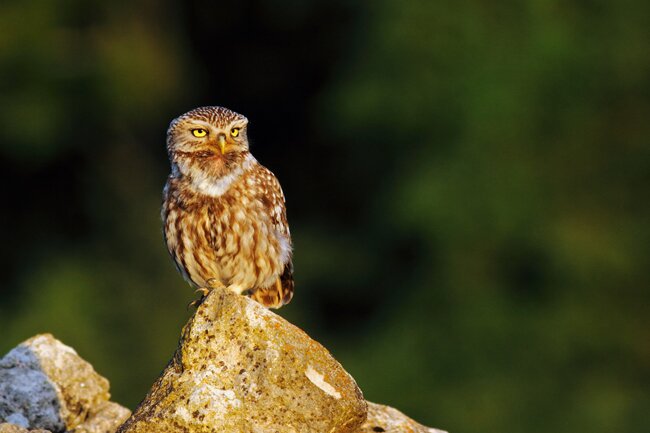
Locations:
{"points": [[242, 368], [386, 419], [45, 384]]}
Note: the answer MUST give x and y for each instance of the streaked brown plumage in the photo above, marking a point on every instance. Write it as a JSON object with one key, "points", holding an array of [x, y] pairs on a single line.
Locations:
{"points": [[223, 213]]}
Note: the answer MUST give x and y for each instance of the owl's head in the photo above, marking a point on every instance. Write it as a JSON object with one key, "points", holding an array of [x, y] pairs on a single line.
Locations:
{"points": [[207, 142]]}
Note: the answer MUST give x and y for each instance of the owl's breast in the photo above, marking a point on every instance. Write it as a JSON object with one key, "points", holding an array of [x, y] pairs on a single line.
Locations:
{"points": [[251, 251], [229, 238]]}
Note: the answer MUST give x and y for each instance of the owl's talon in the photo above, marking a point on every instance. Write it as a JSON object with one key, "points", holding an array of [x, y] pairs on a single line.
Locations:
{"points": [[194, 304], [203, 290]]}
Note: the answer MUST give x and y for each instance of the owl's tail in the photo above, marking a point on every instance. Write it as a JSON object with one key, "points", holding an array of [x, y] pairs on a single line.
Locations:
{"points": [[278, 294]]}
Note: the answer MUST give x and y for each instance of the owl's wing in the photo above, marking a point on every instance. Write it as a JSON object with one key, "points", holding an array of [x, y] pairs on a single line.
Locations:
{"points": [[273, 199]]}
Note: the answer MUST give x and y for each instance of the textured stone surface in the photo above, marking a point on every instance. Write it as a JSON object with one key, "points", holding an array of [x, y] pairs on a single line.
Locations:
{"points": [[241, 368], [45, 384], [12, 428], [386, 419], [27, 396], [106, 419]]}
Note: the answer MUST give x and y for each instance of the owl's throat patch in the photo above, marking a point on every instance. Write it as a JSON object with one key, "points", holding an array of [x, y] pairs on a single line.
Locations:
{"points": [[208, 182]]}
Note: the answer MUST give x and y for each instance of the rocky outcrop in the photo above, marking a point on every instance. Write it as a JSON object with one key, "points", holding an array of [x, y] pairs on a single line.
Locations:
{"points": [[241, 368], [44, 384]]}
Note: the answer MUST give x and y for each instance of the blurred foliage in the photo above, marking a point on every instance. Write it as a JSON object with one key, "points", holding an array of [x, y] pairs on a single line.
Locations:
{"points": [[467, 188]]}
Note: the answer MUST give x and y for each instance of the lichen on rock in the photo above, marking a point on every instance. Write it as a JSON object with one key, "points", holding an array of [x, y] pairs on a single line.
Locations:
{"points": [[241, 368]]}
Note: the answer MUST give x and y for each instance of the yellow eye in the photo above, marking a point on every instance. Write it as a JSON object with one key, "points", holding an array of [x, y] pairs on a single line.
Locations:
{"points": [[199, 132], [234, 132]]}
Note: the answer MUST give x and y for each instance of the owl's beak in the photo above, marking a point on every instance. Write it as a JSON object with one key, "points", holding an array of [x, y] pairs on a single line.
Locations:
{"points": [[222, 143]]}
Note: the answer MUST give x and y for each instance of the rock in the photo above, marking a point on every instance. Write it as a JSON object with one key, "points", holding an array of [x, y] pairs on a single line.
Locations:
{"points": [[12, 428], [386, 419], [242, 368], [27, 396], [45, 384], [18, 419], [106, 419]]}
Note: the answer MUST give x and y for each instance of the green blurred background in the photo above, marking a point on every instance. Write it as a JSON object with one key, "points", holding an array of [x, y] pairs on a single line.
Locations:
{"points": [[467, 187]]}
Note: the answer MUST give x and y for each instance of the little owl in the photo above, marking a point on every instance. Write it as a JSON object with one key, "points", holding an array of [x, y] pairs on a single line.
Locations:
{"points": [[224, 218]]}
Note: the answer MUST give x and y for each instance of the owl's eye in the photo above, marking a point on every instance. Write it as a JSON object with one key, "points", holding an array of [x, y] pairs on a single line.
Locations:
{"points": [[234, 132], [199, 132]]}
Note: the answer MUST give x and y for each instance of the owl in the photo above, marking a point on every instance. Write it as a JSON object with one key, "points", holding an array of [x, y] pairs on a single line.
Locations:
{"points": [[224, 217]]}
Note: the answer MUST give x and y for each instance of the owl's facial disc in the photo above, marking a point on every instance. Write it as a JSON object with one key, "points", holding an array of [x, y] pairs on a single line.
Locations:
{"points": [[209, 147]]}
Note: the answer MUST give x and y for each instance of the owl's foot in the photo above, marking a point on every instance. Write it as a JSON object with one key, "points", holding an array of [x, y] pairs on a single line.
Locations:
{"points": [[214, 283], [195, 303]]}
